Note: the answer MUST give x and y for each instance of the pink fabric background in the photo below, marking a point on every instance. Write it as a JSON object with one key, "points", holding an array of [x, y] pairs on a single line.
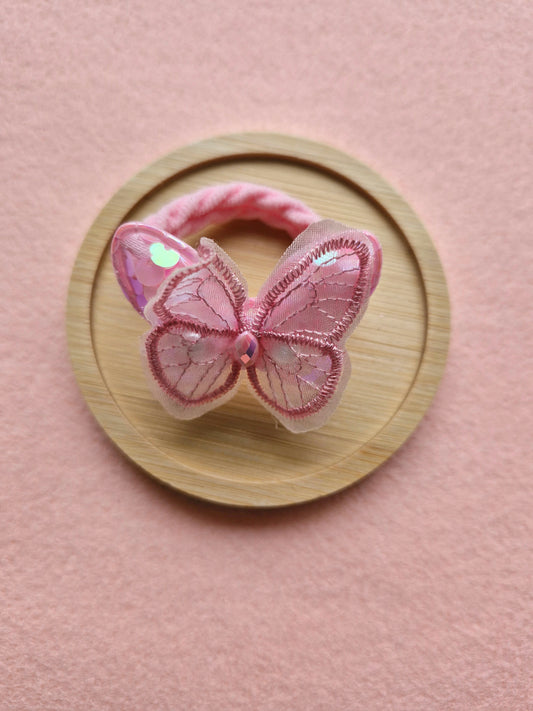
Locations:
{"points": [[410, 591]]}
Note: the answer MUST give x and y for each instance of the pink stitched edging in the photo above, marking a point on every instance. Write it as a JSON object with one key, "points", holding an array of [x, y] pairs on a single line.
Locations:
{"points": [[220, 203]]}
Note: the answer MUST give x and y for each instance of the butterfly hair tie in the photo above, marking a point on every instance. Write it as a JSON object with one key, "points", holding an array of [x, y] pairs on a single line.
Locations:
{"points": [[205, 328]]}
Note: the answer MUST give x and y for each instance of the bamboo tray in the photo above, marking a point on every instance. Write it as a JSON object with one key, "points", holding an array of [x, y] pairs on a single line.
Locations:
{"points": [[237, 454]]}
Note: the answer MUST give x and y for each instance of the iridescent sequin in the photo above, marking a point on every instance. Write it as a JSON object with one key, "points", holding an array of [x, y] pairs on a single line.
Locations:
{"points": [[326, 258], [143, 257], [163, 257]]}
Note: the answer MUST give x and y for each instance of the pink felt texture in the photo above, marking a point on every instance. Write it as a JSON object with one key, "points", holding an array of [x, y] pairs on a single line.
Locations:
{"points": [[410, 591]]}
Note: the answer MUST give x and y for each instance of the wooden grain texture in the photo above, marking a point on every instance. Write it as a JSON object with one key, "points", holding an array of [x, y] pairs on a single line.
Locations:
{"points": [[238, 454]]}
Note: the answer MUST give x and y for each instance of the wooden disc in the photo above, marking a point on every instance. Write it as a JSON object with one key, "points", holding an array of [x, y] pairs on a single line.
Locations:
{"points": [[237, 454]]}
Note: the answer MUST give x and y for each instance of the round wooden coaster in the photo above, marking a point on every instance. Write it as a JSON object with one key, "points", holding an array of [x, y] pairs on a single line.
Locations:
{"points": [[237, 454]]}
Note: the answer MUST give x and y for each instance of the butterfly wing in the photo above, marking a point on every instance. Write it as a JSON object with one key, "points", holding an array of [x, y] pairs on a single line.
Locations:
{"points": [[209, 293], [311, 303], [196, 315], [192, 370], [299, 379]]}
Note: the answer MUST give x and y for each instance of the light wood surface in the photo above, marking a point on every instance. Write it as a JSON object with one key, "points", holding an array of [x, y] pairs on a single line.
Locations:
{"points": [[237, 454]]}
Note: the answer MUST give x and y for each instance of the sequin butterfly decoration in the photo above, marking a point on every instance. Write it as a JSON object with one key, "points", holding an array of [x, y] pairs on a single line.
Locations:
{"points": [[206, 329]]}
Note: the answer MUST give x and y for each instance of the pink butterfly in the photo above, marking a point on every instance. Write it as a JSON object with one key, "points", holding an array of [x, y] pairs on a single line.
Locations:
{"points": [[206, 329]]}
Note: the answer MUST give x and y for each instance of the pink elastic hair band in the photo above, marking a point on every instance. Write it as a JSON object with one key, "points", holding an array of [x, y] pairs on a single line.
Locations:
{"points": [[206, 329]]}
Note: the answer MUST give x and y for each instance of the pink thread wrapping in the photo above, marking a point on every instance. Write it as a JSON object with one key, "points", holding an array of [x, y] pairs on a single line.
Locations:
{"points": [[298, 323], [221, 203]]}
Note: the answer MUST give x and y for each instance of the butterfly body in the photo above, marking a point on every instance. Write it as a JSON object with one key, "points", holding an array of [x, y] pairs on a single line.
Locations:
{"points": [[246, 349]]}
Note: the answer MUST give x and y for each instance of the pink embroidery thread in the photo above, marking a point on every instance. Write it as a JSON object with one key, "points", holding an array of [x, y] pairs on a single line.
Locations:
{"points": [[205, 328]]}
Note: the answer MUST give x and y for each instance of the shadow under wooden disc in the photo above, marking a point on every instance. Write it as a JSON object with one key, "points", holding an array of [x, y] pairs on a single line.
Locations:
{"points": [[237, 454]]}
